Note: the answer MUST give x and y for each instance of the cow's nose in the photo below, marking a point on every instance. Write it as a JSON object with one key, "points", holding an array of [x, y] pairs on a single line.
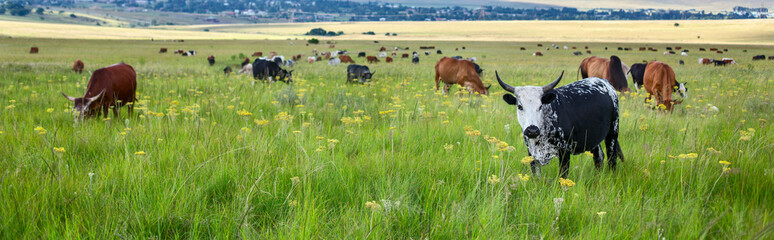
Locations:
{"points": [[532, 131]]}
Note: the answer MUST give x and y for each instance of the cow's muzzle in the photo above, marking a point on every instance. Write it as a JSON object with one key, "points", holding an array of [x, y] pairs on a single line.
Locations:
{"points": [[532, 131]]}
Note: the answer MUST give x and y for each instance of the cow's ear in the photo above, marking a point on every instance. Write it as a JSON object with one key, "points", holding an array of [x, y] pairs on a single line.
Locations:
{"points": [[510, 99], [548, 97]]}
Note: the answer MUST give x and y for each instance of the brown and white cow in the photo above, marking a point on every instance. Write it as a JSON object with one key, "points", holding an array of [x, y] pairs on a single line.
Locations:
{"points": [[613, 70], [659, 81], [78, 66], [461, 72], [537, 54], [112, 86]]}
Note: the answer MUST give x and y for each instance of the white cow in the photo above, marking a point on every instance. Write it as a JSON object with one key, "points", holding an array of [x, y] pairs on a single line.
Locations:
{"points": [[247, 69], [382, 55], [684, 54], [334, 62]]}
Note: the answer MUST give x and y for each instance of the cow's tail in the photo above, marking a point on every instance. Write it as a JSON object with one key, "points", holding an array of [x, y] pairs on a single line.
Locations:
{"points": [[616, 74], [577, 73], [619, 151]]}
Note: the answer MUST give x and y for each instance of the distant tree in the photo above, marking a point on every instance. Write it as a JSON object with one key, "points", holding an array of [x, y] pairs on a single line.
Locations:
{"points": [[677, 24], [387, 34], [394, 34], [39, 11], [72, 15], [99, 24], [313, 41], [16, 9], [369, 33], [2, 10], [206, 29]]}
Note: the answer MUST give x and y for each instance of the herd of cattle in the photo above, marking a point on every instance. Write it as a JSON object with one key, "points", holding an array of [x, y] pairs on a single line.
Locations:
{"points": [[556, 122]]}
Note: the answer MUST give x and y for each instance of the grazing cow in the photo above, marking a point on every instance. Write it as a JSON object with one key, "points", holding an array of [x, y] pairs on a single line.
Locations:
{"points": [[702, 49], [382, 55], [179, 51], [263, 70], [705, 61], [461, 72], [669, 48], [163, 50], [438, 51], [258, 54], [620, 48], [296, 57], [522, 48], [719, 52], [331, 46], [78, 66], [405, 55], [565, 47], [771, 57], [112, 86], [463, 48], [326, 55], [246, 69], [415, 60], [577, 53], [334, 62], [569, 120], [719, 63], [359, 72], [389, 60], [372, 59], [227, 70], [759, 57], [728, 61], [245, 62], [611, 69], [642, 49], [638, 72], [189, 53], [725, 49], [346, 59], [678, 48], [585, 47], [713, 49], [573, 47], [684, 54], [540, 45], [456, 49], [427, 53], [667, 53], [34, 50], [537, 54], [393, 54], [659, 81], [211, 60], [681, 62], [382, 49], [361, 54], [588, 52]]}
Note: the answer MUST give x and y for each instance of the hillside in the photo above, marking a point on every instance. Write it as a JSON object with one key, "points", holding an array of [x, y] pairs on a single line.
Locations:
{"points": [[708, 5]]}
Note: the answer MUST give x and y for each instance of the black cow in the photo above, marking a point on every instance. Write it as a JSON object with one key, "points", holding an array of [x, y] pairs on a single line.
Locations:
{"points": [[638, 73], [227, 70], [569, 120], [681, 62], [457, 57], [719, 63], [361, 54], [263, 70], [479, 71], [439, 52], [211, 60], [759, 57], [415, 60], [359, 72]]}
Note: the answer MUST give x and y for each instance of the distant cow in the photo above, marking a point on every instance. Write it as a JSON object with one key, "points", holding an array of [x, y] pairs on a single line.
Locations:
{"points": [[659, 81], [667, 53], [78, 66], [771, 57], [719, 52], [729, 61], [681, 62], [296, 57], [540, 45], [719, 63], [759, 57], [227, 70], [389, 60], [684, 54], [189, 53], [382, 55], [537, 54], [372, 59], [359, 72], [669, 48], [415, 60], [588, 52], [258, 54], [211, 60], [705, 61], [438, 52], [246, 69], [334, 62], [427, 53], [713, 49], [331, 46], [702, 49], [461, 72], [346, 59], [642, 49], [34, 50], [577, 53], [245, 62], [610, 69], [638, 73], [382, 49], [112, 86], [271, 71], [405, 55], [522, 48], [361, 54], [163, 50]]}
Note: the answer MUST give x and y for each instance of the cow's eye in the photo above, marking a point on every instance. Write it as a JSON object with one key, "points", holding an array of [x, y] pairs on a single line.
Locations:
{"points": [[520, 108]]}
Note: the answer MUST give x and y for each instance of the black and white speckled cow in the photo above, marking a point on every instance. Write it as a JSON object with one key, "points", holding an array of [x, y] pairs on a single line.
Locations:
{"points": [[569, 120]]}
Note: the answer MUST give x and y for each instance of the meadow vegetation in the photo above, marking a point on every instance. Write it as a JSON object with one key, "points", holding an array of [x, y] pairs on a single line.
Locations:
{"points": [[209, 155]]}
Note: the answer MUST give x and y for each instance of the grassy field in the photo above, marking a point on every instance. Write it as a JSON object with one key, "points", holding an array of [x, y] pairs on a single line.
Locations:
{"points": [[756, 32], [209, 155]]}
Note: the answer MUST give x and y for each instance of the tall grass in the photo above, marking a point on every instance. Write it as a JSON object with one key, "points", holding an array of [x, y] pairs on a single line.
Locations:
{"points": [[393, 159]]}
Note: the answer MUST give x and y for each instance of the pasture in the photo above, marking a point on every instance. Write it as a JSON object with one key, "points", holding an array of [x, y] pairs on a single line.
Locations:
{"points": [[209, 155]]}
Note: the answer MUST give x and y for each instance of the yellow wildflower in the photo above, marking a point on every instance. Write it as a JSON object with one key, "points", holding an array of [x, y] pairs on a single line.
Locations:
{"points": [[244, 113], [494, 179], [566, 182], [49, 110], [527, 160], [373, 206], [448, 147], [40, 130], [140, 153], [725, 163], [59, 149]]}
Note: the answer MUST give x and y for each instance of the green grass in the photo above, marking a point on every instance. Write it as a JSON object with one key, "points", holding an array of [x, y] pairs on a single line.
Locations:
{"points": [[205, 175]]}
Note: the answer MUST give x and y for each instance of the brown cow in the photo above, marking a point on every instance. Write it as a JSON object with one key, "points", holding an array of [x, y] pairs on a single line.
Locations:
{"points": [[588, 51], [113, 86], [332, 46], [537, 54], [389, 60], [296, 57], [372, 59], [522, 48], [659, 81], [163, 50], [34, 50], [272, 54], [78, 66], [705, 61], [405, 55], [713, 49], [719, 52], [462, 72], [258, 54], [702, 49], [540, 45], [642, 49], [610, 69], [382, 49], [179, 51], [346, 59]]}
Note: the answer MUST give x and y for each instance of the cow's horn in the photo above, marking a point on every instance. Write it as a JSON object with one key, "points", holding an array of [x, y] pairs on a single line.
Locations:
{"points": [[68, 97], [505, 86], [548, 87], [92, 99]]}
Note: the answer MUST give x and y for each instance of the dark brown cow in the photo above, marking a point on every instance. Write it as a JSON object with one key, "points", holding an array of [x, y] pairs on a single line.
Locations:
{"points": [[609, 69], [678, 48], [113, 86], [462, 72], [659, 81], [346, 59], [34, 50], [382, 49], [389, 60], [405, 55], [258, 54], [372, 59], [702, 49], [588, 51], [211, 60], [163, 50], [296, 58], [522, 48], [771, 57], [713, 49], [540, 45], [719, 52], [537, 54], [327, 55], [642, 49], [78, 66]]}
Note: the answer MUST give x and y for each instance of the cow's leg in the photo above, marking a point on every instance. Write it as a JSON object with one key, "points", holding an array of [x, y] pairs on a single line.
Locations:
{"points": [[599, 156], [130, 108], [105, 109], [613, 146], [535, 166], [437, 80], [446, 88], [564, 160]]}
